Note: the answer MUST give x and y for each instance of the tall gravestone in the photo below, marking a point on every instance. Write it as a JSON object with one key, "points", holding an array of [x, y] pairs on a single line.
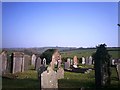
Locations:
{"points": [[90, 60], [38, 63], [18, 62], [102, 66], [118, 71], [87, 61], [75, 62], [33, 59], [26, 60], [3, 59]]}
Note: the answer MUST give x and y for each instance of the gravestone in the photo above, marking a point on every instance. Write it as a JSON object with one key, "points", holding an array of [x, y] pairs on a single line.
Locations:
{"points": [[83, 60], [37, 63], [68, 60], [33, 59], [66, 65], [90, 60], [3, 59], [87, 61], [18, 62], [26, 60], [75, 60], [113, 61], [71, 62], [44, 61], [49, 79], [118, 71], [60, 73]]}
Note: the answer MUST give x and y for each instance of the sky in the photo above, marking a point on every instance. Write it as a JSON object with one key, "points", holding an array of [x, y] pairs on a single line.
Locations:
{"points": [[65, 24]]}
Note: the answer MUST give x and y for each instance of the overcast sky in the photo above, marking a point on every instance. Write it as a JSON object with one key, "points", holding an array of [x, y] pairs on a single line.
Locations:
{"points": [[59, 24]]}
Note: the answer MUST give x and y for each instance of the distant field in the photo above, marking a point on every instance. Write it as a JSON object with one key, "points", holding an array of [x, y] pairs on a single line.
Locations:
{"points": [[88, 52]]}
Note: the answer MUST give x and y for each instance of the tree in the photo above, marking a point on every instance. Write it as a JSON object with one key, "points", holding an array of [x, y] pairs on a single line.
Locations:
{"points": [[102, 66], [47, 55]]}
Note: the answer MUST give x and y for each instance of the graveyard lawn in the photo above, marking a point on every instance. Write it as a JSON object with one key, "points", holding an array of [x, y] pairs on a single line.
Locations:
{"points": [[80, 80], [29, 80], [25, 80]]}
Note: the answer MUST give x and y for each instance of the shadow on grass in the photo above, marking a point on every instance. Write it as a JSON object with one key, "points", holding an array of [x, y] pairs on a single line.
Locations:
{"points": [[16, 84]]}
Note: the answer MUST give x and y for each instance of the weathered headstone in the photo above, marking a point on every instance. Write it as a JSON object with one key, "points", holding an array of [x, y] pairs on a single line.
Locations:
{"points": [[49, 79], [90, 60], [83, 60], [60, 73], [27, 60], [18, 62], [37, 63], [118, 70], [87, 61], [3, 59], [68, 60], [33, 59], [66, 65]]}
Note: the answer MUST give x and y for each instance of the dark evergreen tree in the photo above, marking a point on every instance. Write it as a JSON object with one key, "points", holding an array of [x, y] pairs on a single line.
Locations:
{"points": [[102, 66]]}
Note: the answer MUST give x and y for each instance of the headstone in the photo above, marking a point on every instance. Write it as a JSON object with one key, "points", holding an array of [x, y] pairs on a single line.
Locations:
{"points": [[75, 60], [37, 63], [66, 65], [49, 79], [68, 60], [3, 59], [83, 60], [87, 61], [44, 61], [27, 59], [18, 62], [71, 62], [33, 59], [90, 60], [113, 61], [60, 73], [118, 70]]}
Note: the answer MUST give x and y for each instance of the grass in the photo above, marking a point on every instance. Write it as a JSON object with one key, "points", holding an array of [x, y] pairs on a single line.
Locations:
{"points": [[87, 52], [29, 79]]}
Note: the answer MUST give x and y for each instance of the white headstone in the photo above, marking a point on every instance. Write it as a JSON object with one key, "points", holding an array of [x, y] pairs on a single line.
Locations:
{"points": [[113, 62], [83, 60], [33, 59], [44, 61]]}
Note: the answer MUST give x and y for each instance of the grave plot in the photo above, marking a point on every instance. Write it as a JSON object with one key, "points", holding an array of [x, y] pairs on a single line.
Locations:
{"points": [[49, 76]]}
